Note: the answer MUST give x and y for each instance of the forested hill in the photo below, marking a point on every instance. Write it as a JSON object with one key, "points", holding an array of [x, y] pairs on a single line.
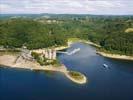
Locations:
{"points": [[33, 34], [113, 33]]}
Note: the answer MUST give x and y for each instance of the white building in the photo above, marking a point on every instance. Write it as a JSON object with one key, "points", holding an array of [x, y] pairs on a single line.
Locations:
{"points": [[48, 53], [53, 54]]}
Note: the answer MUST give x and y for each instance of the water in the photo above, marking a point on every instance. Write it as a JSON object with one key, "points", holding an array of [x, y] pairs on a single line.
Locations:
{"points": [[114, 83]]}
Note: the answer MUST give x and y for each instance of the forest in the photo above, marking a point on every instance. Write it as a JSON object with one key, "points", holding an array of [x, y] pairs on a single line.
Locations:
{"points": [[113, 33]]}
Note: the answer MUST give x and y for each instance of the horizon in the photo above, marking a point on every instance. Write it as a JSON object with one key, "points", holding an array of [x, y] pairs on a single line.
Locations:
{"points": [[65, 14], [96, 7]]}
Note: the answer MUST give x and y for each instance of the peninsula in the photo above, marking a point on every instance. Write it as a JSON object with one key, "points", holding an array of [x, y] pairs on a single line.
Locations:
{"points": [[34, 60]]}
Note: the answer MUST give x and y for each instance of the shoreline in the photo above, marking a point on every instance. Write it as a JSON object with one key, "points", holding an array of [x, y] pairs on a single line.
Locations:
{"points": [[8, 61], [115, 56], [72, 40], [104, 54]]}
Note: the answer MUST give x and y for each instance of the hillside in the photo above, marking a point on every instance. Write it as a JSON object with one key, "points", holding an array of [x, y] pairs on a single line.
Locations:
{"points": [[44, 31]]}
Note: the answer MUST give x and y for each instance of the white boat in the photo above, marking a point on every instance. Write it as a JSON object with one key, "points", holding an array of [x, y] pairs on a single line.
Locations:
{"points": [[105, 65]]}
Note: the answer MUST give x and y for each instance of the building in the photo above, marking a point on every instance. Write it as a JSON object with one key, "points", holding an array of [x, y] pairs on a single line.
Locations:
{"points": [[48, 53], [26, 54]]}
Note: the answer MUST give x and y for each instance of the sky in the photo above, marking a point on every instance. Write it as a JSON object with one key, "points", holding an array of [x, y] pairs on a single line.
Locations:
{"points": [[98, 7]]}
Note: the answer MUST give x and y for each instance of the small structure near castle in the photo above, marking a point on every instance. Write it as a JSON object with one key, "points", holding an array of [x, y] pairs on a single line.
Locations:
{"points": [[26, 54]]}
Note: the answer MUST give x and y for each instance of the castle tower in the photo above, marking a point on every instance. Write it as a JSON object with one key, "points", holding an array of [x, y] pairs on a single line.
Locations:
{"points": [[54, 54], [50, 54], [46, 54]]}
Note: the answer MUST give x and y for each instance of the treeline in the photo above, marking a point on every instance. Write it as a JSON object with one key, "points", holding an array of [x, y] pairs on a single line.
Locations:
{"points": [[113, 36], [107, 31], [19, 32], [121, 43]]}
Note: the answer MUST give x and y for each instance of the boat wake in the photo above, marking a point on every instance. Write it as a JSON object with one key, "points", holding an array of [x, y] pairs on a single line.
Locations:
{"points": [[70, 53]]}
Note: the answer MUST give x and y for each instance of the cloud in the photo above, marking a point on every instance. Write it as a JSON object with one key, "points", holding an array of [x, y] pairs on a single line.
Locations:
{"points": [[109, 4], [4, 6], [67, 6]]}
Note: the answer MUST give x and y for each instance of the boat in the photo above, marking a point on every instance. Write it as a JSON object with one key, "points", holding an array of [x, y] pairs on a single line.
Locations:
{"points": [[105, 65]]}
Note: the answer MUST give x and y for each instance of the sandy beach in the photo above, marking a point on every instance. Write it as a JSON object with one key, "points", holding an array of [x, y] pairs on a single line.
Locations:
{"points": [[115, 56], [83, 81], [72, 40]]}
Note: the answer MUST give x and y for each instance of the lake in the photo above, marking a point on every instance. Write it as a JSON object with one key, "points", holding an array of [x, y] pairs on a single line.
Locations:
{"points": [[113, 83]]}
